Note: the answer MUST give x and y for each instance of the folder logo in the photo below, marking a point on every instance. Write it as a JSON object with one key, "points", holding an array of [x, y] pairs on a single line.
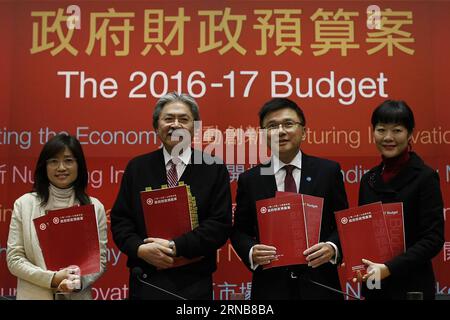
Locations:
{"points": [[55, 220], [42, 226], [149, 201], [263, 210], [344, 220]]}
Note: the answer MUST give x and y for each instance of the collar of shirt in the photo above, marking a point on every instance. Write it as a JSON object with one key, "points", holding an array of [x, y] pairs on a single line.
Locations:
{"points": [[281, 174], [185, 156], [278, 164]]}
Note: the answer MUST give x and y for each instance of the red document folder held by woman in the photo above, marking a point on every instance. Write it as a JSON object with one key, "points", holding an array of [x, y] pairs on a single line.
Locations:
{"points": [[393, 214], [363, 234], [70, 237]]}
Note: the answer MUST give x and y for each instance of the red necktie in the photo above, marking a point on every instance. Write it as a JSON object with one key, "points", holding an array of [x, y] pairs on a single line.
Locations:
{"points": [[289, 182], [172, 176]]}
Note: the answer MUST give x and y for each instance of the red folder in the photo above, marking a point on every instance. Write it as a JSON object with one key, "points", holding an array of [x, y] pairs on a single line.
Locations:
{"points": [[70, 237], [166, 212], [363, 234], [281, 223], [170, 213], [312, 207], [393, 214]]}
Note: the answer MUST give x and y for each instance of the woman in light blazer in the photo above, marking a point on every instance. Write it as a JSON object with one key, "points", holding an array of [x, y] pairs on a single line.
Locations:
{"points": [[60, 181]]}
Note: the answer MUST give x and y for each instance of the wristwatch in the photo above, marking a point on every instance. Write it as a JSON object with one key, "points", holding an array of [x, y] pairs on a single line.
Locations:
{"points": [[173, 247]]}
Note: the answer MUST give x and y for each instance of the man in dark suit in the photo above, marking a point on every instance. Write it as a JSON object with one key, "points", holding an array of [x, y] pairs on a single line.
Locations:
{"points": [[289, 170], [174, 115]]}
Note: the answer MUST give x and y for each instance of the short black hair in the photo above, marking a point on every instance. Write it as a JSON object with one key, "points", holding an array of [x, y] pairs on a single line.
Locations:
{"points": [[394, 111], [54, 146], [277, 104]]}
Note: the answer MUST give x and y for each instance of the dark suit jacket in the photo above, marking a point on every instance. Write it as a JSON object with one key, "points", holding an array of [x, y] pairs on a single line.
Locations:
{"points": [[319, 177], [417, 186], [210, 185]]}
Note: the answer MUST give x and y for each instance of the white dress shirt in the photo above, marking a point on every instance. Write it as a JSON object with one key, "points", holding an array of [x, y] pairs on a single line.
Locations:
{"points": [[185, 158], [280, 173]]}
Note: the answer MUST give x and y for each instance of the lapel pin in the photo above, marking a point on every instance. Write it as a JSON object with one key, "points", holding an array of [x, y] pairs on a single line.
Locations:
{"points": [[308, 179]]}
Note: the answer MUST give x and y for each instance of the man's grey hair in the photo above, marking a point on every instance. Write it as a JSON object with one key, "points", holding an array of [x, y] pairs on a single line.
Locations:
{"points": [[175, 97]]}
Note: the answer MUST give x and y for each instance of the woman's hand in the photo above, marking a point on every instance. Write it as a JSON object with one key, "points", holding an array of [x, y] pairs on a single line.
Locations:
{"points": [[379, 270], [67, 279], [70, 284]]}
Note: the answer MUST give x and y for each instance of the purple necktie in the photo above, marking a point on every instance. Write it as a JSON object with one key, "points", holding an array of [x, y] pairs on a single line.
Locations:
{"points": [[289, 182], [172, 176]]}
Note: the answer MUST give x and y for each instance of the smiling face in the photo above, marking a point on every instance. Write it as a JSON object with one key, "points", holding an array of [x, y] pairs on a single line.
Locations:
{"points": [[62, 170], [175, 115], [285, 126], [391, 139]]}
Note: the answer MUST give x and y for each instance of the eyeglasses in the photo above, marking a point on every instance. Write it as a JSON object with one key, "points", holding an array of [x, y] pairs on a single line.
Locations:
{"points": [[55, 163], [286, 125], [183, 120]]}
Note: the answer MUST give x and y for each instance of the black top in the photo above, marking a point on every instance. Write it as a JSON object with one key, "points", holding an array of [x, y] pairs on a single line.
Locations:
{"points": [[417, 186]]}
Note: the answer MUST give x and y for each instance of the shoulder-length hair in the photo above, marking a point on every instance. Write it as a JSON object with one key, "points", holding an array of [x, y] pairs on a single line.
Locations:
{"points": [[54, 146]]}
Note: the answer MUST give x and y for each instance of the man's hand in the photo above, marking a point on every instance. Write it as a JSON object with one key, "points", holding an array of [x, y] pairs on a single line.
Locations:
{"points": [[263, 254], [163, 242], [319, 254], [156, 253]]}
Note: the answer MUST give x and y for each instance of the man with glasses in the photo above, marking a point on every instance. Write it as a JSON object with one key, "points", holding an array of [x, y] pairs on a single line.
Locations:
{"points": [[173, 120], [289, 170]]}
